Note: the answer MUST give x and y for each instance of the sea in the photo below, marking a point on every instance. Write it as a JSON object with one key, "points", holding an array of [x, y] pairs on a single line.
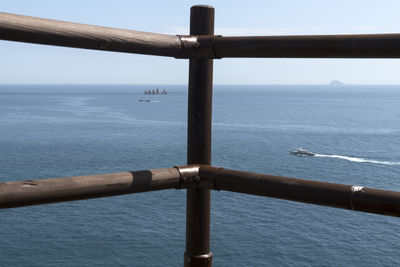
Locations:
{"points": [[70, 130]]}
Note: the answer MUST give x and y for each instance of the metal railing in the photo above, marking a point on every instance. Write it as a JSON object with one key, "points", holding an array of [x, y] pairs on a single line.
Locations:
{"points": [[198, 177]]}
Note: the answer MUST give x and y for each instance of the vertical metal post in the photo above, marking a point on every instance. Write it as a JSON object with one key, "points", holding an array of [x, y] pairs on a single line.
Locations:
{"points": [[199, 143]]}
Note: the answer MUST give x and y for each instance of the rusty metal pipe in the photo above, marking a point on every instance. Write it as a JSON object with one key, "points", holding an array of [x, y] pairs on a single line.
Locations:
{"points": [[197, 251], [321, 193], [34, 192], [60, 33], [312, 46]]}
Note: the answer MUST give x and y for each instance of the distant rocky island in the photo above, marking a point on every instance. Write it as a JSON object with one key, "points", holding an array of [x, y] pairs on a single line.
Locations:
{"points": [[336, 82]]}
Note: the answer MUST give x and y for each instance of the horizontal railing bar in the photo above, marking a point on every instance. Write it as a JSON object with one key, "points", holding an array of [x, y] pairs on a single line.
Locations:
{"points": [[313, 192], [53, 32], [313, 46], [34, 192]]}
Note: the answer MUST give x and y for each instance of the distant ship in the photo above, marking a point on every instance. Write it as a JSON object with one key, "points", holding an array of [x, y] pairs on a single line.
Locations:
{"points": [[336, 82], [156, 92], [302, 152]]}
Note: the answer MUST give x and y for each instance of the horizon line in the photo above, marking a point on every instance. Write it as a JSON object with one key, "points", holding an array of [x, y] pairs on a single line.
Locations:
{"points": [[184, 84]]}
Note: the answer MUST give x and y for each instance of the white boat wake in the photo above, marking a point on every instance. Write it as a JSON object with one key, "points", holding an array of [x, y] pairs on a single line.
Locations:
{"points": [[360, 160]]}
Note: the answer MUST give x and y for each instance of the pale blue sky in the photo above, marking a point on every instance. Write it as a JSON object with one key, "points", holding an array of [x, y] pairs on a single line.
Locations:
{"points": [[28, 63]]}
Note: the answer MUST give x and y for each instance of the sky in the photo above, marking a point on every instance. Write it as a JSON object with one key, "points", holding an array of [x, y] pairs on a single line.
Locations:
{"points": [[22, 63]]}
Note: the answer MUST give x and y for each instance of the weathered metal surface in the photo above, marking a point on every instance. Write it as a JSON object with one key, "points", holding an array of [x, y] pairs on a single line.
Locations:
{"points": [[189, 176], [194, 46], [34, 192], [317, 46], [199, 142], [353, 197], [198, 260], [53, 32], [321, 193]]}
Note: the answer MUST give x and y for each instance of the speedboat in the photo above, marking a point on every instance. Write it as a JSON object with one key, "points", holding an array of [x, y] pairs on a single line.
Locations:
{"points": [[302, 152]]}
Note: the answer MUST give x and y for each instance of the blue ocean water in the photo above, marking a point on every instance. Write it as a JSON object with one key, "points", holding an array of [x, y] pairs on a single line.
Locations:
{"points": [[67, 130]]}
